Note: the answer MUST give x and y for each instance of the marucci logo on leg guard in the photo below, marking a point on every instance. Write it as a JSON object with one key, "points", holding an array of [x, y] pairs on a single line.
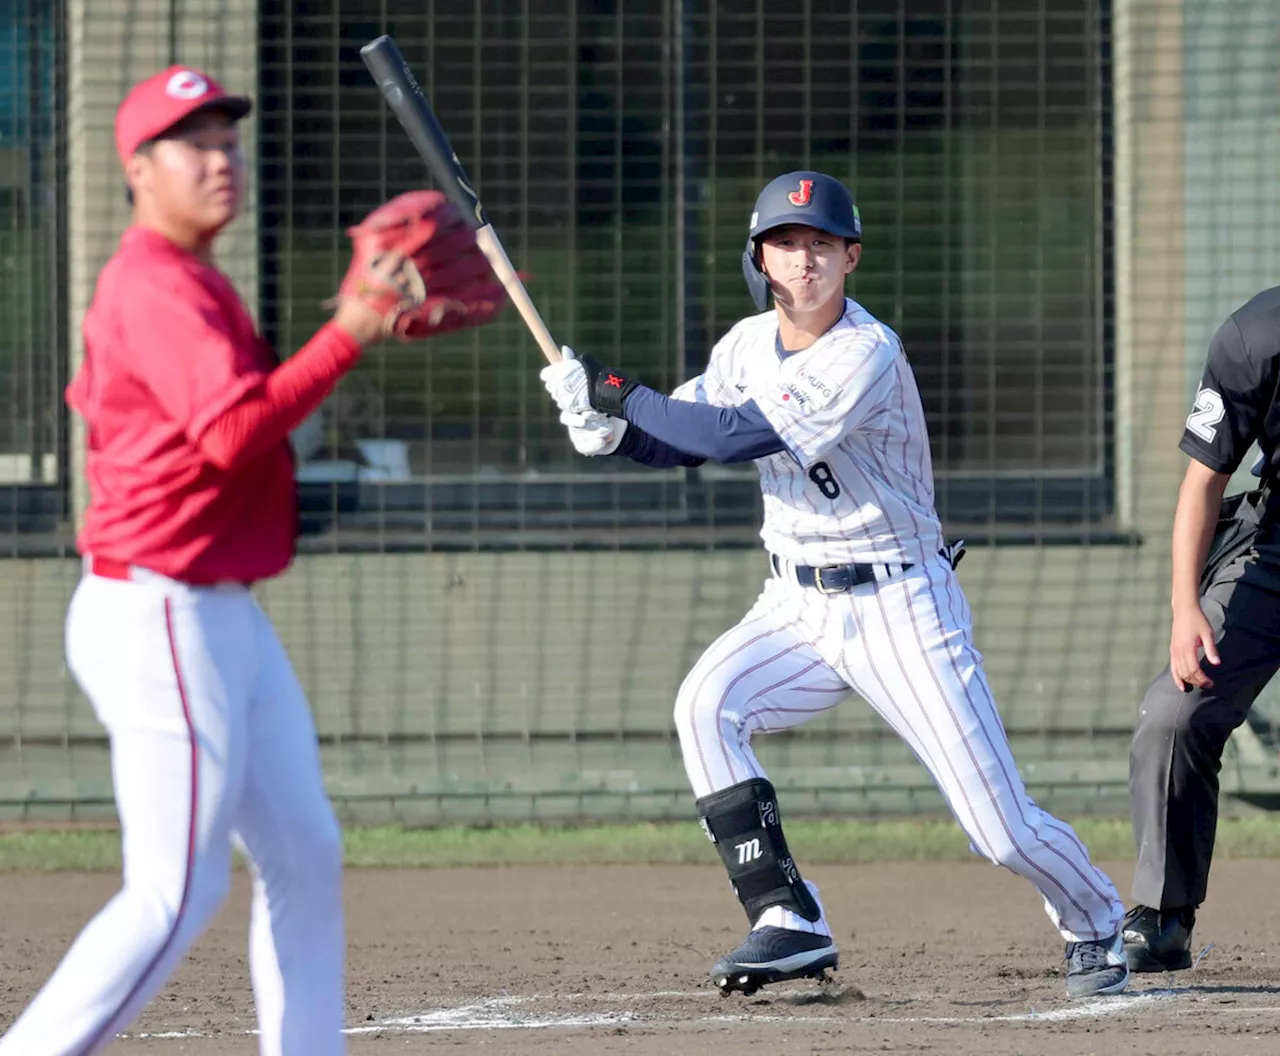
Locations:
{"points": [[746, 822]]}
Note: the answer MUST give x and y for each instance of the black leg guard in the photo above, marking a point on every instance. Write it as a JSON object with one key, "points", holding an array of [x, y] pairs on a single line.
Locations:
{"points": [[742, 821]]}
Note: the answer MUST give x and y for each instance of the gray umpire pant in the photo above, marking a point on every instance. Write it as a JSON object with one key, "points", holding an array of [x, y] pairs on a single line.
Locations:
{"points": [[1180, 737]]}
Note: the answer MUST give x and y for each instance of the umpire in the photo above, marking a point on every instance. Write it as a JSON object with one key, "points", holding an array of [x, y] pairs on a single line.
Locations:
{"points": [[1226, 604]]}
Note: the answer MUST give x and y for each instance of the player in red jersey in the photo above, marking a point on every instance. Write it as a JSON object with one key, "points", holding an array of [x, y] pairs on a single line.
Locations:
{"points": [[192, 501]]}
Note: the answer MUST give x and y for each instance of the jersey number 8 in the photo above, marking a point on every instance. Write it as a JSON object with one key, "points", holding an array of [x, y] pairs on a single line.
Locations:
{"points": [[820, 474]]}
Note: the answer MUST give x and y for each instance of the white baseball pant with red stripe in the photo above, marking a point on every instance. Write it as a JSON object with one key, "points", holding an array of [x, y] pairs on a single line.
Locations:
{"points": [[211, 741], [906, 646]]}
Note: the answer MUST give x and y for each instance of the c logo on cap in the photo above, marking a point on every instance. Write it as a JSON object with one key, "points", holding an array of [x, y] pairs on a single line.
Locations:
{"points": [[186, 84]]}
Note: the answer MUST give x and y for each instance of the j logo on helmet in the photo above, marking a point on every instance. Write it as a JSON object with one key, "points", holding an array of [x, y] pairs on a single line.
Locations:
{"points": [[802, 196]]}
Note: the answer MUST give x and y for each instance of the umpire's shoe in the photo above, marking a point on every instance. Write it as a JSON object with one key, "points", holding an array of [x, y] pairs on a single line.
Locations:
{"points": [[1158, 940], [1096, 967], [773, 955]]}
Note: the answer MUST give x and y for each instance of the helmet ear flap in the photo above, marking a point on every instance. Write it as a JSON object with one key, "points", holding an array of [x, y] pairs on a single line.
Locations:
{"points": [[757, 282]]}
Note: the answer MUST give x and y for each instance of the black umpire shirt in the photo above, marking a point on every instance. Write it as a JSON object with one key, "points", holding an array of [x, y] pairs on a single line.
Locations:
{"points": [[1236, 401]]}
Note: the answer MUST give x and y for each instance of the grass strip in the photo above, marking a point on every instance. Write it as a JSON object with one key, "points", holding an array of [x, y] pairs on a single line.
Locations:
{"points": [[818, 842]]}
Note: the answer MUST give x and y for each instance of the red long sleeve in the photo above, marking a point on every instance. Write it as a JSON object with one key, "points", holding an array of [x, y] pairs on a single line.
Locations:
{"points": [[268, 412]]}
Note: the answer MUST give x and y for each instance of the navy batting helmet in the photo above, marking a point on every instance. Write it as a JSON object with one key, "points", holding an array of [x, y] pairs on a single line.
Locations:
{"points": [[811, 198]]}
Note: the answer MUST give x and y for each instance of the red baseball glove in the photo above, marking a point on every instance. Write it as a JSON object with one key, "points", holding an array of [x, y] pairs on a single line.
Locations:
{"points": [[415, 262]]}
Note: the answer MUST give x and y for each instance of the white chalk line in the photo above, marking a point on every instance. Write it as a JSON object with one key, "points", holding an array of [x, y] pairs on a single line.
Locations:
{"points": [[493, 1013], [506, 1012]]}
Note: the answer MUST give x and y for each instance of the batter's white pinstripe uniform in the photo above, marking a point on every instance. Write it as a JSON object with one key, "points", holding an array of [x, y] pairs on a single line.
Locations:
{"points": [[855, 485]]}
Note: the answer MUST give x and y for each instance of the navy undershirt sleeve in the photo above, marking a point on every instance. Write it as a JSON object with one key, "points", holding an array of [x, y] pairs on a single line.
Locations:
{"points": [[720, 434], [639, 446]]}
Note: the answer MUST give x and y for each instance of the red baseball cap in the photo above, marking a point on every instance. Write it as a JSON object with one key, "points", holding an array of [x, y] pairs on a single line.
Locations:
{"points": [[161, 101]]}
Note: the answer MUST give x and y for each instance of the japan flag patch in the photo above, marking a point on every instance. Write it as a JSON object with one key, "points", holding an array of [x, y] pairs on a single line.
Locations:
{"points": [[809, 388]]}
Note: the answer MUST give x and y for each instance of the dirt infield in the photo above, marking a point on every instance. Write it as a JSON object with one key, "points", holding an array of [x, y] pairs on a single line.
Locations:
{"points": [[614, 959]]}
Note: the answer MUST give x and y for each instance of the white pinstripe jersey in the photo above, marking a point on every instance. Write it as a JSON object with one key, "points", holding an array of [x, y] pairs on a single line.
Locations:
{"points": [[855, 483]]}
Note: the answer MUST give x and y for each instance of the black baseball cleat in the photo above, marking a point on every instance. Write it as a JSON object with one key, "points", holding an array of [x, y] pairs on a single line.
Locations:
{"points": [[773, 955], [1096, 967], [1158, 940]]}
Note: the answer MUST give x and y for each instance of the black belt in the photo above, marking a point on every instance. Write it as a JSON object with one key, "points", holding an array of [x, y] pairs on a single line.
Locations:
{"points": [[839, 579]]}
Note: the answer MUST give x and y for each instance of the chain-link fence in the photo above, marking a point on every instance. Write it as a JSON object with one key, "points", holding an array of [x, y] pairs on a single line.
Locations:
{"points": [[1060, 200]]}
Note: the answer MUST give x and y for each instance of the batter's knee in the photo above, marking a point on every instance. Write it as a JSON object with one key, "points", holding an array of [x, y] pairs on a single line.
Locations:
{"points": [[696, 709], [686, 705], [1005, 842], [1006, 851]]}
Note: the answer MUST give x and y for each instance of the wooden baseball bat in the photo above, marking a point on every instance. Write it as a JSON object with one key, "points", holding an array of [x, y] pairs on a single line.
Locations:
{"points": [[400, 89]]}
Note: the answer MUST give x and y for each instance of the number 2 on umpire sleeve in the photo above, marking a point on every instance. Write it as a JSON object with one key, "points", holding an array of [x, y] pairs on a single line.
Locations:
{"points": [[1208, 412], [820, 474]]}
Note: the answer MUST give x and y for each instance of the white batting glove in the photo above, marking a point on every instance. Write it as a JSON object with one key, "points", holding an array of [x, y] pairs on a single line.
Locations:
{"points": [[566, 381], [594, 433]]}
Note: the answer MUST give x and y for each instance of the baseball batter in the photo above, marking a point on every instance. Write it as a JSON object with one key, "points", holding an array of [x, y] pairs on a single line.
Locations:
{"points": [[863, 596], [191, 476]]}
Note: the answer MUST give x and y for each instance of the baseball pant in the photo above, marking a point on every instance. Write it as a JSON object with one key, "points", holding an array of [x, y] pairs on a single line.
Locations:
{"points": [[212, 742], [906, 647], [1180, 736]]}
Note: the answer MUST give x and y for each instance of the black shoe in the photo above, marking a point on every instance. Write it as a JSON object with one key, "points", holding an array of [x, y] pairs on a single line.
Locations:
{"points": [[1158, 940], [772, 955], [1096, 967]]}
